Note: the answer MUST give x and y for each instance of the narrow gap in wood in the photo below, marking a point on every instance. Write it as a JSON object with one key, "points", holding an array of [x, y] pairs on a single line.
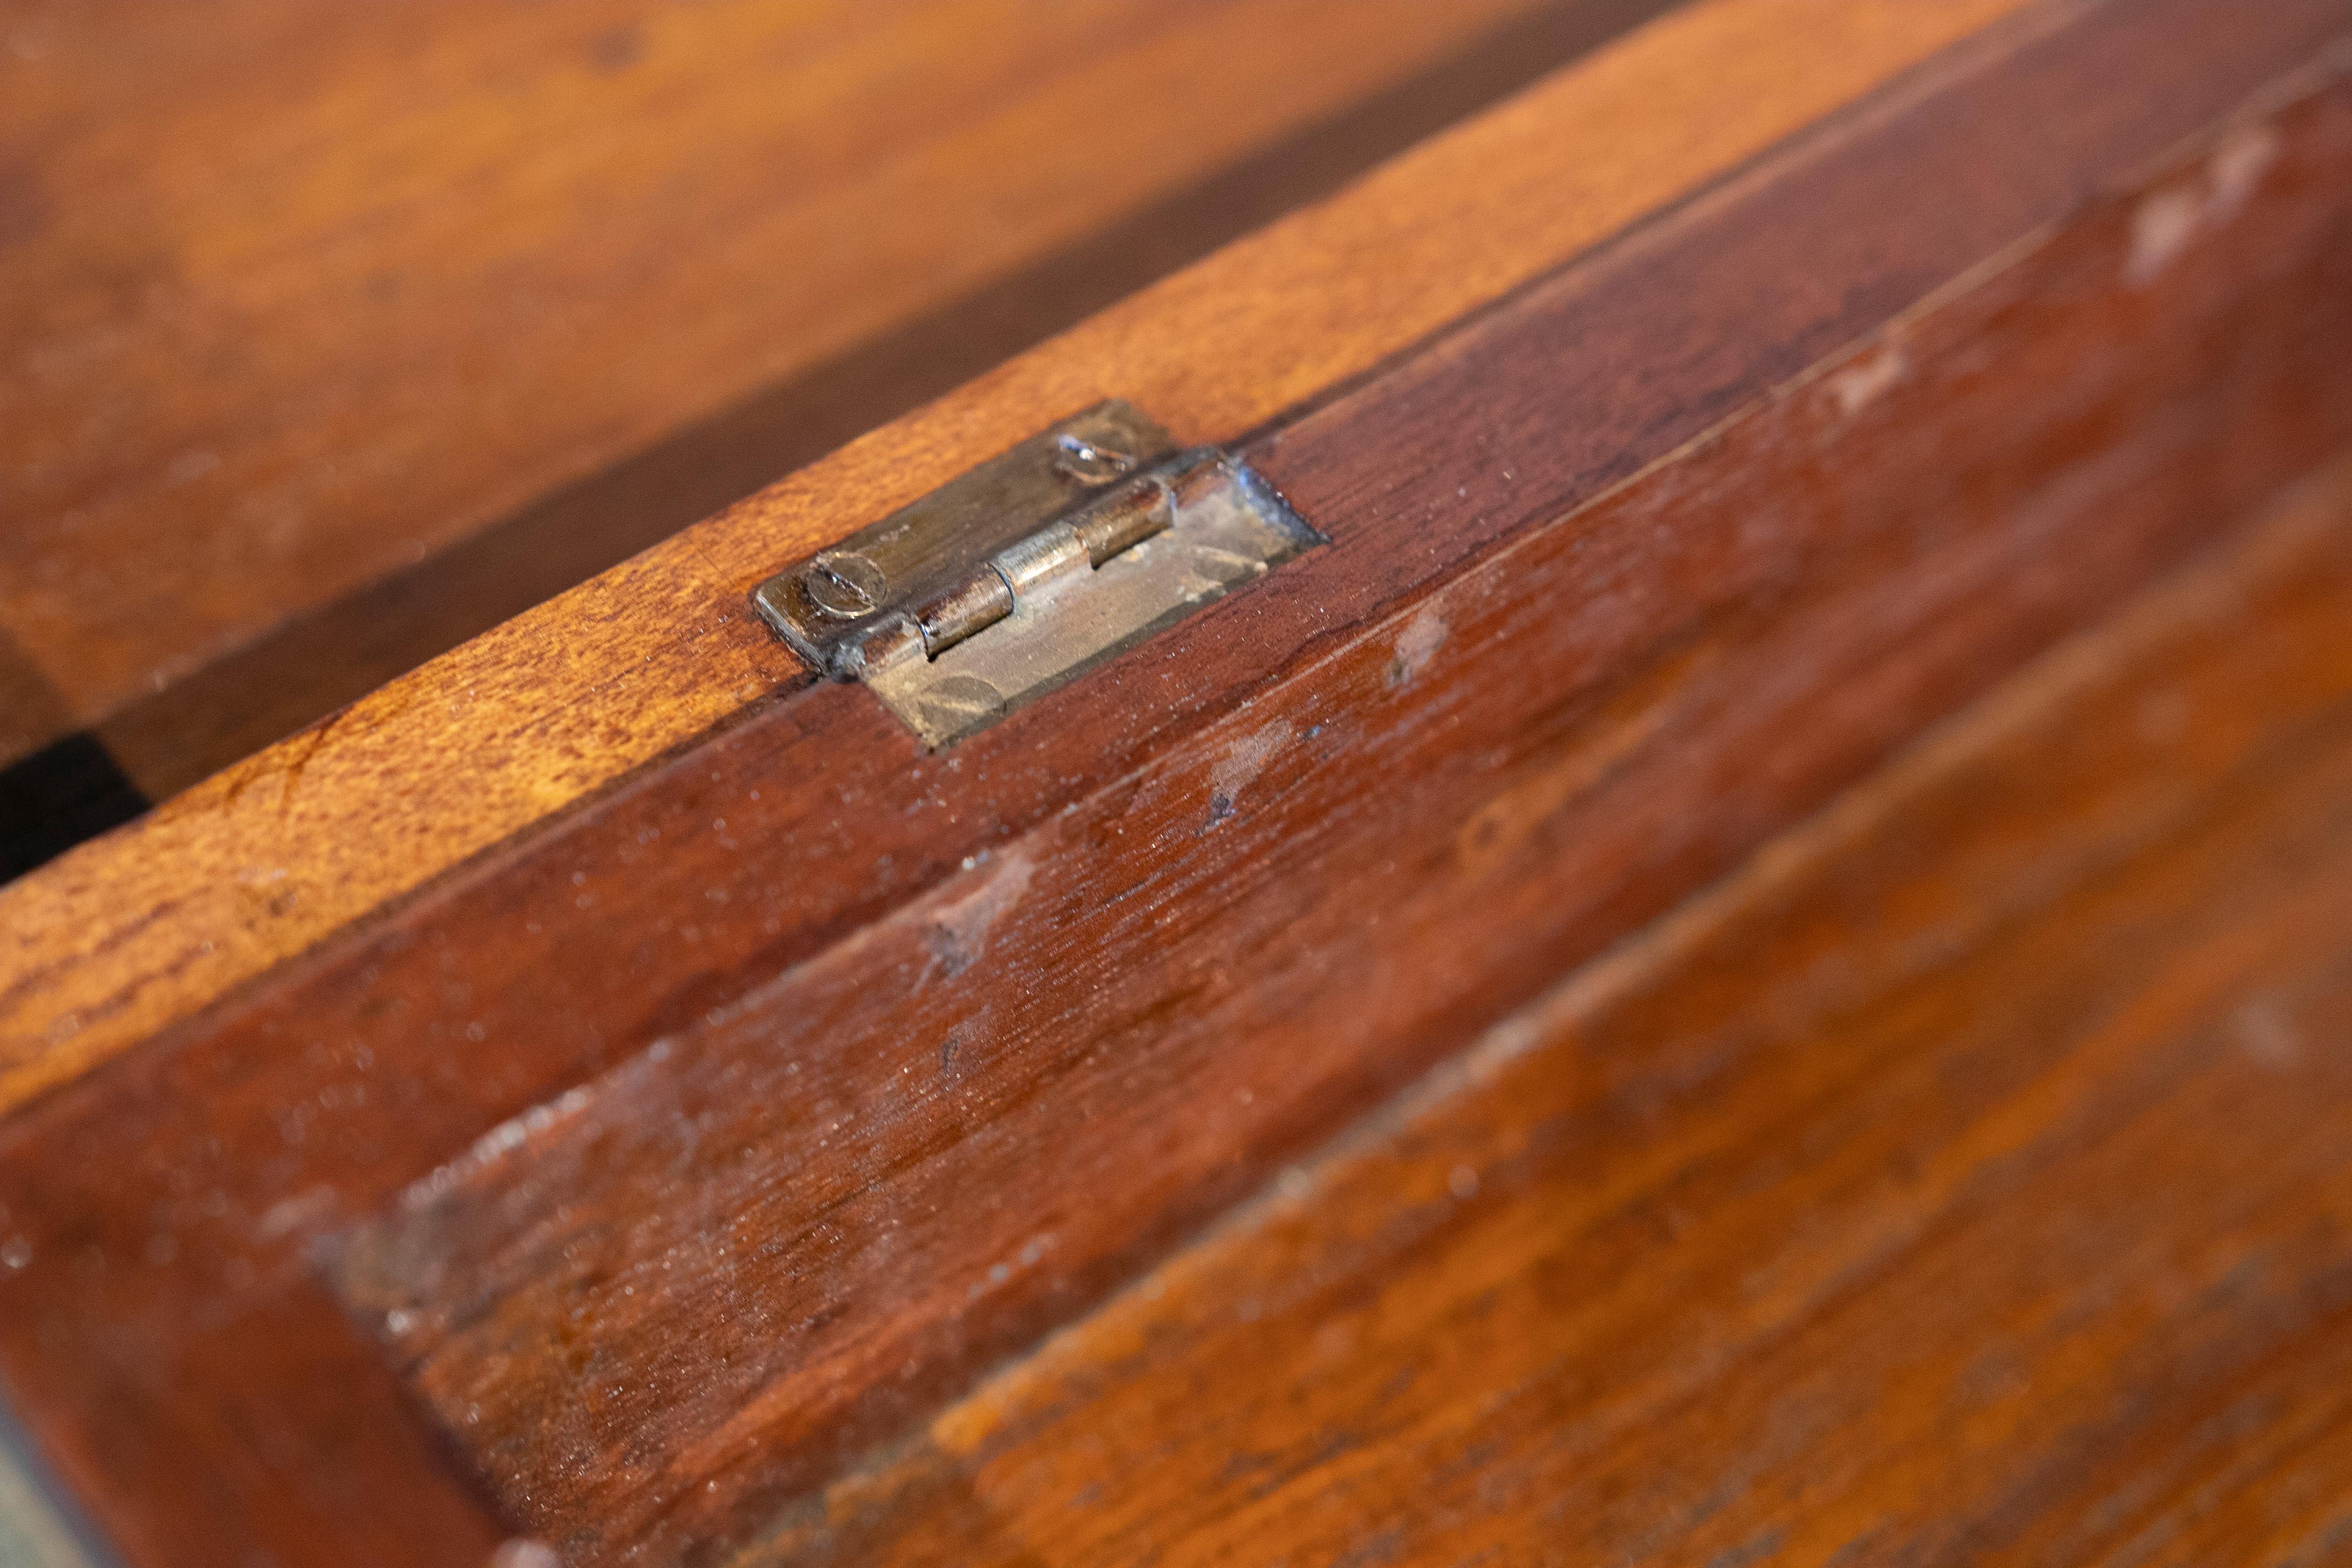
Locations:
{"points": [[68, 790], [315, 663], [55, 792], [490, 1232], [488, 743], [1567, 738]]}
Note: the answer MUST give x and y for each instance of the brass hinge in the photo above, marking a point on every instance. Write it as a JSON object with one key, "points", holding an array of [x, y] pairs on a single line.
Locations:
{"points": [[1005, 583]]}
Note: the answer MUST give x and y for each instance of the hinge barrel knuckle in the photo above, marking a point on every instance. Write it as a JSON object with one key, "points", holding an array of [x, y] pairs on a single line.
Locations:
{"points": [[1126, 520], [977, 603], [1075, 544], [1039, 559], [898, 637]]}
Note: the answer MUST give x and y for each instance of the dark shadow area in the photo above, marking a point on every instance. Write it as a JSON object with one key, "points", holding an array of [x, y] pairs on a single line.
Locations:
{"points": [[51, 801]]}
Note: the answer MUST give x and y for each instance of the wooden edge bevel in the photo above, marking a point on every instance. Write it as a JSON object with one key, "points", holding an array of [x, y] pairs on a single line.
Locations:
{"points": [[142, 926]]}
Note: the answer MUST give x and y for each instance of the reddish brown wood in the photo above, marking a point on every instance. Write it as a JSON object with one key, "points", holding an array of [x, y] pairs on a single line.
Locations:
{"points": [[1568, 738], [1797, 258], [323, 657], [1962, 1181], [333, 330], [724, 1236], [136, 932]]}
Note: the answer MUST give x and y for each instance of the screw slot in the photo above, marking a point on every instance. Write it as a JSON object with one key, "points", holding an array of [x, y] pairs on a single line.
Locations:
{"points": [[844, 585], [1090, 463]]}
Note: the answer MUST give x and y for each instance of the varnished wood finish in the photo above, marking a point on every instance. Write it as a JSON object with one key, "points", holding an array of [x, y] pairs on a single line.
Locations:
{"points": [[316, 661], [301, 298], [1963, 1181], [801, 1031], [749, 1241], [121, 939]]}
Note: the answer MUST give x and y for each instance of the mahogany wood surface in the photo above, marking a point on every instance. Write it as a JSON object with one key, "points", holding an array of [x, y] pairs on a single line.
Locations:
{"points": [[328, 326], [817, 1122], [121, 938], [748, 1240], [784, 1121], [1966, 1180]]}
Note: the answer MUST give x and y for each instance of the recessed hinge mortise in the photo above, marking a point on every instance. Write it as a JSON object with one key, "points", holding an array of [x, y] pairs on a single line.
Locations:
{"points": [[1005, 583]]}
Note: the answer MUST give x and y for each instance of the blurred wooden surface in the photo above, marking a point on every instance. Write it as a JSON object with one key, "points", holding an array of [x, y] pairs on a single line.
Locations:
{"points": [[659, 1180], [1556, 766], [333, 335], [129, 933], [1741, 967], [1967, 1180]]}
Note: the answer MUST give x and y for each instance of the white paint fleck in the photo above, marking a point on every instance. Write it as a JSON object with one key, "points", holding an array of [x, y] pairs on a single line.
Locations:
{"points": [[1417, 644], [1241, 767], [298, 1213], [2239, 163], [2161, 228], [2164, 225], [1463, 1182], [1864, 382]]}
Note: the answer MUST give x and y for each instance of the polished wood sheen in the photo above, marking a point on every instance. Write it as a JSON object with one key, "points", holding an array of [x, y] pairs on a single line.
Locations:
{"points": [[1963, 1180], [337, 334], [670, 1205], [1737, 969], [143, 927]]}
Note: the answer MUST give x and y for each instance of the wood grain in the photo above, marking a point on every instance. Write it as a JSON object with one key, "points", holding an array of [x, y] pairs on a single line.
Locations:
{"points": [[770, 935], [116, 941], [748, 1242], [321, 657], [1963, 1180], [302, 296]]}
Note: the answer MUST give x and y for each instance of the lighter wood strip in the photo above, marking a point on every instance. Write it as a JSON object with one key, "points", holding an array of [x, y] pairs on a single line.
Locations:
{"points": [[132, 932], [385, 243]]}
